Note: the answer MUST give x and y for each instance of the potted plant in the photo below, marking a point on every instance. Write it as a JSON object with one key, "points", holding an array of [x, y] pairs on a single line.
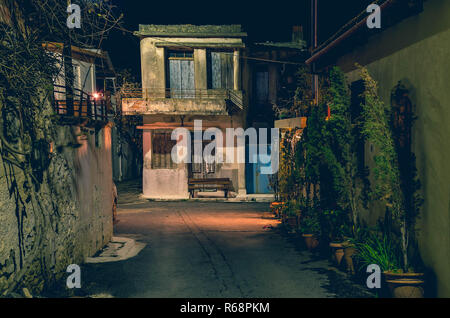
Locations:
{"points": [[380, 249], [276, 208], [336, 227], [291, 211], [395, 184], [331, 163], [310, 229], [338, 252]]}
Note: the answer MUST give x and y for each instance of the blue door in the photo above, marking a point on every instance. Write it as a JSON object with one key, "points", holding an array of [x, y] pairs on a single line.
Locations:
{"points": [[257, 182]]}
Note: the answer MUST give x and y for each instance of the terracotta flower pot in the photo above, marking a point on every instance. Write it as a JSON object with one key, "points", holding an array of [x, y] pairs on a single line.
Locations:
{"points": [[405, 285], [310, 241], [349, 251], [292, 222], [338, 252], [276, 208]]}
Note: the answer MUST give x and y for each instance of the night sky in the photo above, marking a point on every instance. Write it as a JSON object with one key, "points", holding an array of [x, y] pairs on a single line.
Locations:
{"points": [[262, 20]]}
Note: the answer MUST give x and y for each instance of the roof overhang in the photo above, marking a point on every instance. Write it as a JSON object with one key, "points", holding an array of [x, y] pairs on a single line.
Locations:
{"points": [[201, 45], [191, 31], [358, 25]]}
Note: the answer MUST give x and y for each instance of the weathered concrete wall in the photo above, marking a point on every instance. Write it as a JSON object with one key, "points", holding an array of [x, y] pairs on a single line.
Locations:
{"points": [[153, 60], [417, 52], [173, 183], [208, 105], [69, 219], [200, 69], [125, 161], [152, 65]]}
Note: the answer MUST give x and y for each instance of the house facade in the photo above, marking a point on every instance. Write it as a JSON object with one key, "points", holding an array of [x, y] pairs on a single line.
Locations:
{"points": [[412, 48], [188, 73], [207, 73], [270, 83]]}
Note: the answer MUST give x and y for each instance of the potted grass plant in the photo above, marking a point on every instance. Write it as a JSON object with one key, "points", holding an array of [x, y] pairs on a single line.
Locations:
{"points": [[382, 250]]}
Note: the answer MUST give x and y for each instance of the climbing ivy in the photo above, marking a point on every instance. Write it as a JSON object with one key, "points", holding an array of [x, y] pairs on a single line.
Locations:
{"points": [[397, 190]]}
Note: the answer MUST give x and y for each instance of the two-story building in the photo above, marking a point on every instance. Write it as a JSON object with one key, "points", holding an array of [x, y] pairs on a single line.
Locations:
{"points": [[206, 73], [188, 73]]}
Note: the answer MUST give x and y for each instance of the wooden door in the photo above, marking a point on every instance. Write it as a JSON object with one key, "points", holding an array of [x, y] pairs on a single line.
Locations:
{"points": [[181, 74]]}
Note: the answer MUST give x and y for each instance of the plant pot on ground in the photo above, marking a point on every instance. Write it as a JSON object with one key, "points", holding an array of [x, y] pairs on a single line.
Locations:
{"points": [[311, 241], [337, 226], [349, 251], [381, 250], [291, 221], [276, 208], [291, 213], [310, 229], [338, 252], [405, 285]]}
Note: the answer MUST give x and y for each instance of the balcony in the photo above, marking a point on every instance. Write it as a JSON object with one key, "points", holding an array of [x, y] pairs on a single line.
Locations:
{"points": [[139, 101], [82, 107]]}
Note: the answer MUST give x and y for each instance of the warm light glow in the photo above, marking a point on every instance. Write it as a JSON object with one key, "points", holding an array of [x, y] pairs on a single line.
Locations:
{"points": [[96, 95]]}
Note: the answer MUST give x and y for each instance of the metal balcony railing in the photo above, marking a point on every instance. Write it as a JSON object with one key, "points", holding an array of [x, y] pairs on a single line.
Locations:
{"points": [[81, 105]]}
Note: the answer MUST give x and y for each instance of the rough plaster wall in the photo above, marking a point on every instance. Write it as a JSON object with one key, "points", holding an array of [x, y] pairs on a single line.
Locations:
{"points": [[152, 65], [425, 66], [78, 214], [153, 60], [234, 171], [200, 69], [129, 167]]}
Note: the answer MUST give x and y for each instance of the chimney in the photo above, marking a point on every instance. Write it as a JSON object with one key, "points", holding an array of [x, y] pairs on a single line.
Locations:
{"points": [[297, 34]]}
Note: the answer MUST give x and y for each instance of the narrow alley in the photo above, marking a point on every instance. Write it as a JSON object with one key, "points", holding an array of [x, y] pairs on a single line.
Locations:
{"points": [[211, 250]]}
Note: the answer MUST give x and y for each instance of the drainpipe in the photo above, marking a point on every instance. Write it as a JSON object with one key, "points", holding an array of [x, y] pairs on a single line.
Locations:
{"points": [[314, 57], [314, 47]]}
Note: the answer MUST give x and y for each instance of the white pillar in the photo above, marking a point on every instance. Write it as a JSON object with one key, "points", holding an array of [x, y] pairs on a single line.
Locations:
{"points": [[237, 70]]}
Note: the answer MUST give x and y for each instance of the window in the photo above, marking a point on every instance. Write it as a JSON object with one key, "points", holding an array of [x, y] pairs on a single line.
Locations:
{"points": [[220, 70], [181, 74], [201, 170], [161, 150]]}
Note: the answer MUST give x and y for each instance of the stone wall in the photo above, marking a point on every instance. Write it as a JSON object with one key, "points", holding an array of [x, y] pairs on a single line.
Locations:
{"points": [[68, 218]]}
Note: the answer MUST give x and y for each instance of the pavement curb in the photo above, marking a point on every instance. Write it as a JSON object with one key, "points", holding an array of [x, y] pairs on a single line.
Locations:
{"points": [[119, 249]]}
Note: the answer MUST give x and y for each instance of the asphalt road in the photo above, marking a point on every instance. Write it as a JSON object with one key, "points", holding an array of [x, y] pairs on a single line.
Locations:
{"points": [[210, 249]]}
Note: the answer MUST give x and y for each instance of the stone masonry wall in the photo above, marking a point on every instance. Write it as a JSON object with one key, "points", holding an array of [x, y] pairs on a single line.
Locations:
{"points": [[69, 218]]}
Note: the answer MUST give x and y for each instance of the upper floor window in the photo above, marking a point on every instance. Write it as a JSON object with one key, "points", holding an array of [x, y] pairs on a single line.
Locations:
{"points": [[181, 74], [220, 70]]}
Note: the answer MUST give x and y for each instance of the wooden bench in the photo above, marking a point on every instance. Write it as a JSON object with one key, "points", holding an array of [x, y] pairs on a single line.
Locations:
{"points": [[223, 184]]}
